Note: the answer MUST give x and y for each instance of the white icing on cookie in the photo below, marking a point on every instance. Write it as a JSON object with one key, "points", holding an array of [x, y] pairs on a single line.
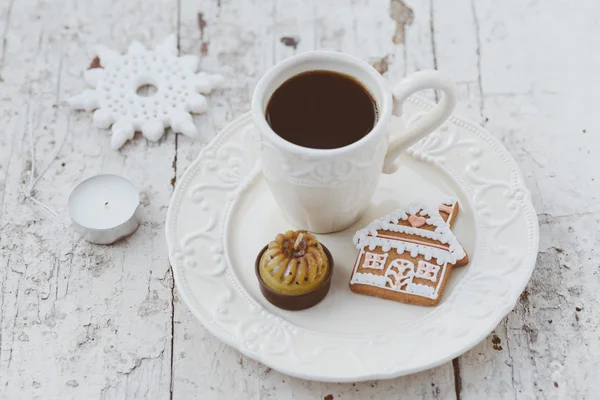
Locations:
{"points": [[399, 274], [449, 201], [381, 281], [369, 235], [422, 290], [370, 279]]}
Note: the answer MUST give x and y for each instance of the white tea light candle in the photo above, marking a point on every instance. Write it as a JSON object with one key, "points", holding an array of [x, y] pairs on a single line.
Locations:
{"points": [[105, 209]]}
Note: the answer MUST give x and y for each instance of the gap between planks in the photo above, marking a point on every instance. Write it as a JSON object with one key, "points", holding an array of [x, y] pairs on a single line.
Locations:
{"points": [[173, 183]]}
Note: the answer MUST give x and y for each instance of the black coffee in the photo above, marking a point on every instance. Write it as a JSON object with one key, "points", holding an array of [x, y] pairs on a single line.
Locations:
{"points": [[321, 110]]}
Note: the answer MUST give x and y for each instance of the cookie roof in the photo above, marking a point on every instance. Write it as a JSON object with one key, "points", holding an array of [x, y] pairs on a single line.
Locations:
{"points": [[370, 235]]}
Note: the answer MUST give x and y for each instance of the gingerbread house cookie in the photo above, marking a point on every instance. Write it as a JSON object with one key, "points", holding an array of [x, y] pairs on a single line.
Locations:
{"points": [[408, 256]]}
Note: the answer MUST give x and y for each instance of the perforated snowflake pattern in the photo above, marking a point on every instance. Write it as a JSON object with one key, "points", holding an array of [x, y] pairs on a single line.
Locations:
{"points": [[117, 104]]}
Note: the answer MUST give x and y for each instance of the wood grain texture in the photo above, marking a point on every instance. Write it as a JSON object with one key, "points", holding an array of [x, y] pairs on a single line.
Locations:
{"points": [[534, 99], [85, 321], [79, 320]]}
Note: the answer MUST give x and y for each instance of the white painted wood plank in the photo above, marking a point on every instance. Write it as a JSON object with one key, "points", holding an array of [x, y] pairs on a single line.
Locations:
{"points": [[456, 48], [437, 383], [456, 52], [79, 320], [6, 139], [538, 91], [204, 368]]}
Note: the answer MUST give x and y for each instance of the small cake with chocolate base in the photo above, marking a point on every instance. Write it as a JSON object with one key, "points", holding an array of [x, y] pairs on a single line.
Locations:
{"points": [[294, 270]]}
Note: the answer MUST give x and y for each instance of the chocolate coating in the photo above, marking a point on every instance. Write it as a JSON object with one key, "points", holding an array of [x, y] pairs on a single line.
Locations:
{"points": [[299, 301]]}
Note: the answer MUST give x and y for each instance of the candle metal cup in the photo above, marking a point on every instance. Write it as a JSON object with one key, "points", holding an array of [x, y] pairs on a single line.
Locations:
{"points": [[108, 232]]}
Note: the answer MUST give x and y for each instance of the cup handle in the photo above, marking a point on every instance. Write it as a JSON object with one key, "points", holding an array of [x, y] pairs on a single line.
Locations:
{"points": [[413, 83]]}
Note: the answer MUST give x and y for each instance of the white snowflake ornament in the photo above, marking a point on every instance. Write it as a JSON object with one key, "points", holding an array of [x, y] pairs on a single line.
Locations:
{"points": [[117, 102]]}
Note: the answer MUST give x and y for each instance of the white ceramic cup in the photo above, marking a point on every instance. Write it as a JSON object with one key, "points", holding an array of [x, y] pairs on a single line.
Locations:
{"points": [[327, 190]]}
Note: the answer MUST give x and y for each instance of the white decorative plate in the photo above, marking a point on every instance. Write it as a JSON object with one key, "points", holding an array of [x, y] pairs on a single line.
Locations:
{"points": [[222, 214]]}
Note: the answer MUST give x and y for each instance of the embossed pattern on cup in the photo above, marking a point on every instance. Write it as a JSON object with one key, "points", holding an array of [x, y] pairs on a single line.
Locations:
{"points": [[327, 190]]}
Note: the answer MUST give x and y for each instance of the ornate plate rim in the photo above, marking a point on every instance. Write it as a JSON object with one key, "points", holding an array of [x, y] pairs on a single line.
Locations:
{"points": [[216, 330]]}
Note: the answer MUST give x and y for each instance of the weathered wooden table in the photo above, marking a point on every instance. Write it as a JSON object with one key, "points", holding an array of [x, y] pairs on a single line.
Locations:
{"points": [[85, 321]]}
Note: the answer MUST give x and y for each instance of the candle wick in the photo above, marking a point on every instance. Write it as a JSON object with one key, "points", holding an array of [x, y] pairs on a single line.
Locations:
{"points": [[298, 240], [106, 203]]}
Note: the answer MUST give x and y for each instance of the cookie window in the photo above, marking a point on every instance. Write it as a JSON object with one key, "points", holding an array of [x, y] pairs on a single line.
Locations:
{"points": [[427, 271], [403, 267], [374, 260], [400, 272]]}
